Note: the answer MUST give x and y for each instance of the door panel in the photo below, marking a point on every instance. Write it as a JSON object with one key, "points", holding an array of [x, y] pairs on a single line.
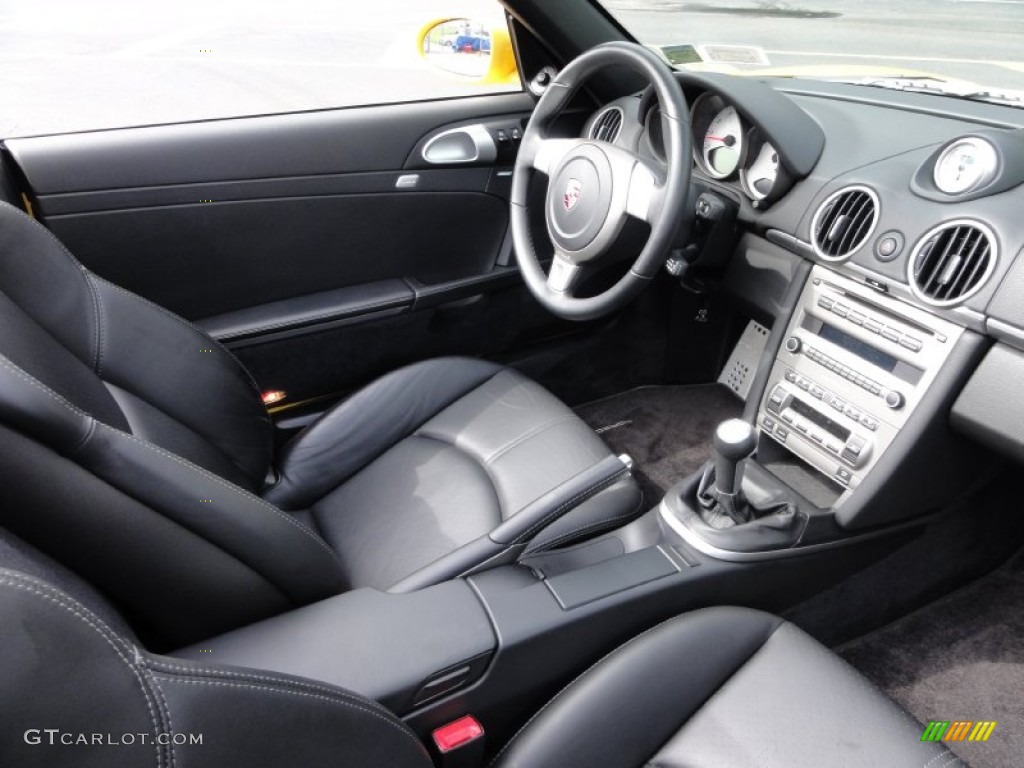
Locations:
{"points": [[209, 258], [324, 248], [354, 140]]}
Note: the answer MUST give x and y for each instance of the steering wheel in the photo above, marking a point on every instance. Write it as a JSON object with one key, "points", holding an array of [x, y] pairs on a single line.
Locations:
{"points": [[594, 186]]}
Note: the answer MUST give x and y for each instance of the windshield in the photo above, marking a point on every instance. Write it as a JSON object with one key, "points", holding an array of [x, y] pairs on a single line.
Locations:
{"points": [[968, 48]]}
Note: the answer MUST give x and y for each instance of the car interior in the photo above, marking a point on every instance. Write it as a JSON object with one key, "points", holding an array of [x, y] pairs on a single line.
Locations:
{"points": [[641, 417]]}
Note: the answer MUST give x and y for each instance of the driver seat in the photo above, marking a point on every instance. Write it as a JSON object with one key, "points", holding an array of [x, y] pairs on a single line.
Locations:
{"points": [[137, 451]]}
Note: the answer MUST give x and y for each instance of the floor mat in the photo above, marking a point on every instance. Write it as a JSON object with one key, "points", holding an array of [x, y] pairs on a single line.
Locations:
{"points": [[959, 658], [666, 429]]}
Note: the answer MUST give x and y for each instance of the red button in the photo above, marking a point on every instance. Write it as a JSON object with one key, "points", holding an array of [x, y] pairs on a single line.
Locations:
{"points": [[457, 733]]}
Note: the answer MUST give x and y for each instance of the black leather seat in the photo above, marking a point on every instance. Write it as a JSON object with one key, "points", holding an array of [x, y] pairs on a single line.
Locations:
{"points": [[718, 687], [137, 451], [723, 687]]}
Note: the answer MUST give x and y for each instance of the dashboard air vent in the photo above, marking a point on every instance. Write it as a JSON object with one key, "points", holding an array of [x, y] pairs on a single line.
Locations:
{"points": [[844, 222], [952, 262], [607, 125]]}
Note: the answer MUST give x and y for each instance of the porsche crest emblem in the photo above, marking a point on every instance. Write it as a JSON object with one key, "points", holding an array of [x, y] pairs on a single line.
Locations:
{"points": [[573, 190]]}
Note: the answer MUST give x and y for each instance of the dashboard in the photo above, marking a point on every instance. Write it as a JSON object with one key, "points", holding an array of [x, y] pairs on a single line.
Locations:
{"points": [[727, 147], [907, 208], [919, 196]]}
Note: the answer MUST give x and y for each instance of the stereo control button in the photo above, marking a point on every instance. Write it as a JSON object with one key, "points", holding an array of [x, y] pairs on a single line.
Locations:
{"points": [[891, 334], [914, 345], [791, 376], [856, 318], [793, 344], [825, 302], [841, 309], [872, 325], [769, 423], [782, 433], [852, 450], [843, 475], [869, 422], [894, 399], [817, 391], [832, 447], [803, 383]]}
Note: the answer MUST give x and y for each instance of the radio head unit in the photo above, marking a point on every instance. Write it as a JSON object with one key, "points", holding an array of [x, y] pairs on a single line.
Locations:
{"points": [[854, 365]]}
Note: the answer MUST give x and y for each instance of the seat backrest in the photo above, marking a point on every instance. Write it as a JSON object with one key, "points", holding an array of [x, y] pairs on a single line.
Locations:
{"points": [[132, 448], [76, 692], [125, 361]]}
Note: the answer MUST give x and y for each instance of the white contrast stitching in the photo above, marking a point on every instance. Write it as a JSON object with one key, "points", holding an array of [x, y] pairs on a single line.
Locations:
{"points": [[392, 723], [532, 433], [548, 545], [71, 606], [577, 499], [234, 488], [163, 310], [187, 464], [167, 710], [5, 363], [167, 667]]}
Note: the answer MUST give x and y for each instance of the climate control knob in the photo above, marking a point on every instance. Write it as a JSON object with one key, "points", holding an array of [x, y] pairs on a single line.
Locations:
{"points": [[894, 399], [793, 344]]}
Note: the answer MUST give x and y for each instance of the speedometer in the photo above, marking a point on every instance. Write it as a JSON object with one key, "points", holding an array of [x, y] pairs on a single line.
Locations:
{"points": [[722, 145]]}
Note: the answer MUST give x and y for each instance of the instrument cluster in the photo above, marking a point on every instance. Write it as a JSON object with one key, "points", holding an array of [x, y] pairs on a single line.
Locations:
{"points": [[726, 147]]}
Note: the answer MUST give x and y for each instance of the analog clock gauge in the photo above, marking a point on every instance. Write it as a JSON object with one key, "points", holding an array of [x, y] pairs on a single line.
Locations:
{"points": [[964, 165]]}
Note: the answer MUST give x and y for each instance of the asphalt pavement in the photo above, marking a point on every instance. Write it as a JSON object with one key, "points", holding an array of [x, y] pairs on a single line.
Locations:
{"points": [[977, 40], [69, 65]]}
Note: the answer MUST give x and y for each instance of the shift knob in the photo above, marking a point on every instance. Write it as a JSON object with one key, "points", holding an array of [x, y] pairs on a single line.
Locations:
{"points": [[734, 440]]}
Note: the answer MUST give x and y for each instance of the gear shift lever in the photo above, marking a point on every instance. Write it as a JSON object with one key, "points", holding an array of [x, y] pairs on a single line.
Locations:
{"points": [[734, 441], [723, 503], [720, 500]]}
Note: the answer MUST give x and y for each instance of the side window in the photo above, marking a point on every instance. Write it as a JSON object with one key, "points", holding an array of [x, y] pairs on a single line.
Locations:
{"points": [[73, 66]]}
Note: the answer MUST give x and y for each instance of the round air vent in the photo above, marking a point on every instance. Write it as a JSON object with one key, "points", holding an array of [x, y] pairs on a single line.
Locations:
{"points": [[844, 222], [607, 125], [952, 262]]}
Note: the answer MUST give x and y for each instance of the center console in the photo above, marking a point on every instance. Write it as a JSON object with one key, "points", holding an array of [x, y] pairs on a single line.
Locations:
{"points": [[852, 429], [844, 447], [854, 366]]}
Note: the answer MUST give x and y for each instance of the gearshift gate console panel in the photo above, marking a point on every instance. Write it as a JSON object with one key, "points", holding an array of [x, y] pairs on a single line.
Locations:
{"points": [[854, 365]]}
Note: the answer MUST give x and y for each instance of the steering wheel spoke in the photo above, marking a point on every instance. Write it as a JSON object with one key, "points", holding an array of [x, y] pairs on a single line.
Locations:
{"points": [[546, 154], [563, 275], [646, 195], [594, 186]]}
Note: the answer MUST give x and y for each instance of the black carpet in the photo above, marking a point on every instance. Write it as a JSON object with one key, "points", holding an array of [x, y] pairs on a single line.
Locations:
{"points": [[666, 429], [959, 658]]}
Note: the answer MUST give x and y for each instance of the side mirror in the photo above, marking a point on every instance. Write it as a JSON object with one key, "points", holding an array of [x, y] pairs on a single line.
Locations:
{"points": [[480, 52]]}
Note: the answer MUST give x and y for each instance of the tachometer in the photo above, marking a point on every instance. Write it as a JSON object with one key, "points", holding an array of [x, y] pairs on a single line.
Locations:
{"points": [[759, 176], [722, 144]]}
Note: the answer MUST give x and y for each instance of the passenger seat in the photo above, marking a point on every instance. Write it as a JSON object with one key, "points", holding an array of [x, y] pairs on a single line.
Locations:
{"points": [[716, 687]]}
